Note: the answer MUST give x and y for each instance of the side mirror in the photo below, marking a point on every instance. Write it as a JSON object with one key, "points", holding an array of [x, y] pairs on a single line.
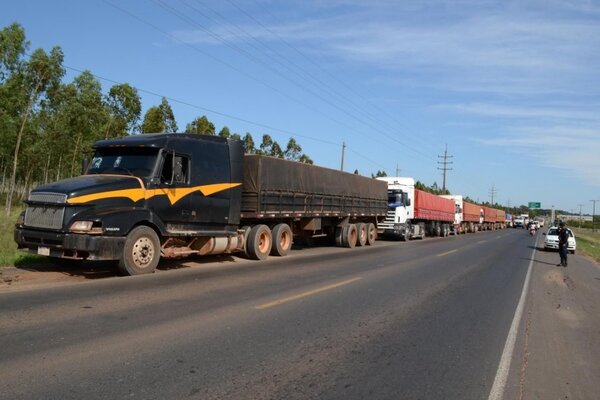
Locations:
{"points": [[84, 164]]}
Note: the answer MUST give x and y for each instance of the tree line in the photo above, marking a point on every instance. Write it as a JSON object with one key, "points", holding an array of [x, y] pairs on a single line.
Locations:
{"points": [[47, 126]]}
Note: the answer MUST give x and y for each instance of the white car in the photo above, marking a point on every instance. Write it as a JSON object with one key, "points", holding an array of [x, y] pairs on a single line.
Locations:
{"points": [[551, 240]]}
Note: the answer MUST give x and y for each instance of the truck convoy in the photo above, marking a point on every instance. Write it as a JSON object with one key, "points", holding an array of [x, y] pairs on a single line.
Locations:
{"points": [[413, 213], [144, 197], [468, 216]]}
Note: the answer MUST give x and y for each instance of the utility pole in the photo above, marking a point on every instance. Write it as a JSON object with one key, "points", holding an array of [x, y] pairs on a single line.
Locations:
{"points": [[594, 215], [397, 170], [580, 215], [445, 164], [343, 153], [493, 193]]}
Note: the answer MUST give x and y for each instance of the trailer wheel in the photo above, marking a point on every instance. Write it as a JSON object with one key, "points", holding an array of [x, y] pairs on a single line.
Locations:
{"points": [[339, 234], [282, 240], [141, 252], [361, 228], [349, 236], [259, 243], [371, 234]]}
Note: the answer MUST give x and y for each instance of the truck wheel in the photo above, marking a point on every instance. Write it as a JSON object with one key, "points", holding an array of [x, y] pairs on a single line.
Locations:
{"points": [[339, 234], [141, 252], [437, 230], [361, 228], [371, 234], [350, 236], [282, 240], [260, 242]]}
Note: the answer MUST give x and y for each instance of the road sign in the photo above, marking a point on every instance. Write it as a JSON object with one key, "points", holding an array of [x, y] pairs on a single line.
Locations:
{"points": [[535, 205]]}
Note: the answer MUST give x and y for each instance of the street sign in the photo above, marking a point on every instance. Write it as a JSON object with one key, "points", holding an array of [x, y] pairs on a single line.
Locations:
{"points": [[535, 205]]}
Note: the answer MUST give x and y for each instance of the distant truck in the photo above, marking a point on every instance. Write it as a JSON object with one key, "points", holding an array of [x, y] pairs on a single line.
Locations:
{"points": [[144, 197], [468, 217], [413, 213]]}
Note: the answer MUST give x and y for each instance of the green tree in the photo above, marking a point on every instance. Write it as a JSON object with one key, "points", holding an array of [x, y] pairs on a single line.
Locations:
{"points": [[266, 145], [235, 136], [159, 119], [80, 118], [249, 143], [293, 151], [379, 174], [356, 172], [225, 133], [305, 159], [276, 151], [125, 107], [201, 126], [24, 86]]}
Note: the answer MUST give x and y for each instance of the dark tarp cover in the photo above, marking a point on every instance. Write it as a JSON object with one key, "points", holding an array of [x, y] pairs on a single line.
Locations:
{"points": [[265, 176]]}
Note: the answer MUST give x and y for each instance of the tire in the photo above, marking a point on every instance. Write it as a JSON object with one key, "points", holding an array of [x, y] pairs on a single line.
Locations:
{"points": [[437, 230], [141, 252], [361, 229], [246, 230], [371, 234], [349, 236], [339, 234], [282, 240], [259, 243]]}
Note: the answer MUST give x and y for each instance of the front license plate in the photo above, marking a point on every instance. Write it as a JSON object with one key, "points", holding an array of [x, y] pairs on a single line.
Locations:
{"points": [[44, 251]]}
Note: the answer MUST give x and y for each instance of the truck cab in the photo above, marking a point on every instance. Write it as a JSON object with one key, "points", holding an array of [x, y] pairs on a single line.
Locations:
{"points": [[135, 190], [401, 197], [458, 213]]}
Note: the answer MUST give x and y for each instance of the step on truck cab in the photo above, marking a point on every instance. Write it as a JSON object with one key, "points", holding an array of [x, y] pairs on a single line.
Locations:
{"points": [[149, 196]]}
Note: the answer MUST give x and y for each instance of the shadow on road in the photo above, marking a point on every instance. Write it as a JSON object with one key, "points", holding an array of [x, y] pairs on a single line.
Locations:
{"points": [[106, 269]]}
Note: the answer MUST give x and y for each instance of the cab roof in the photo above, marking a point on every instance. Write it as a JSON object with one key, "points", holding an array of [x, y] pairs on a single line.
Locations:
{"points": [[156, 140]]}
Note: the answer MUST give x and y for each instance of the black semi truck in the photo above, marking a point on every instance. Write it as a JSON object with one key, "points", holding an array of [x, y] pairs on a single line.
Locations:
{"points": [[144, 197]]}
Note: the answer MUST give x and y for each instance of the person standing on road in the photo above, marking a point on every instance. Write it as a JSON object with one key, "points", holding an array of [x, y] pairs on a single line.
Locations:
{"points": [[563, 240]]}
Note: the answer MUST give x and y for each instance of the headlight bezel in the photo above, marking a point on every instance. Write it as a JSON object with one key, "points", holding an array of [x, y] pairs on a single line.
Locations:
{"points": [[86, 227]]}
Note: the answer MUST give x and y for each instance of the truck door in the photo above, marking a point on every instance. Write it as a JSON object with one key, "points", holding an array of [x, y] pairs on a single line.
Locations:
{"points": [[169, 201]]}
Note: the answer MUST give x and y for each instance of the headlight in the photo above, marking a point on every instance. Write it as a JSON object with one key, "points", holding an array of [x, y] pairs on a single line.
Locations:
{"points": [[89, 227]]}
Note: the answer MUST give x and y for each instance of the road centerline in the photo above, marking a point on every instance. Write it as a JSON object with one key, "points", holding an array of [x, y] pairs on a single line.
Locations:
{"points": [[306, 294], [446, 253]]}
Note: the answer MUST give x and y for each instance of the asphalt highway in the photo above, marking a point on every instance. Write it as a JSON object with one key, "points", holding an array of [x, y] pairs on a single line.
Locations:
{"points": [[418, 320]]}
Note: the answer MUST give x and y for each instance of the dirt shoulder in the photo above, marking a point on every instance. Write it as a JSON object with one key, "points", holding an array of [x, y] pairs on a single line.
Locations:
{"points": [[559, 340]]}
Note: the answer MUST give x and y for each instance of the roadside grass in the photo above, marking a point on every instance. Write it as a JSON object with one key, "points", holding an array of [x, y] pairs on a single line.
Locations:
{"points": [[588, 242], [9, 255]]}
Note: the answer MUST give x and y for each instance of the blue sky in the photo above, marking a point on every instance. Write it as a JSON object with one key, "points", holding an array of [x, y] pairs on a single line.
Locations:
{"points": [[512, 87]]}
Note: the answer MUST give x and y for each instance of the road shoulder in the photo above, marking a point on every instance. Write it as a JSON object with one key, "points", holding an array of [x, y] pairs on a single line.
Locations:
{"points": [[558, 346]]}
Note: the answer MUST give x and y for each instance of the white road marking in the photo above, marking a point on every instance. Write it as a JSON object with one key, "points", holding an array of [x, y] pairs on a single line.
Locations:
{"points": [[497, 391]]}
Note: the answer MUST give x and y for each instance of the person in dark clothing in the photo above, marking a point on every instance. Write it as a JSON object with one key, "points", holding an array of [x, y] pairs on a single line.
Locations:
{"points": [[563, 240]]}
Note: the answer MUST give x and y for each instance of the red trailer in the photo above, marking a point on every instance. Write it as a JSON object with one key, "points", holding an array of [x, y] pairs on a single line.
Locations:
{"points": [[472, 217], [500, 219], [489, 218], [432, 207]]}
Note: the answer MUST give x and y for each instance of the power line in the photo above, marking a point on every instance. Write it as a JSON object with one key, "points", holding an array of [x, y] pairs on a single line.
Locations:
{"points": [[267, 66], [332, 76]]}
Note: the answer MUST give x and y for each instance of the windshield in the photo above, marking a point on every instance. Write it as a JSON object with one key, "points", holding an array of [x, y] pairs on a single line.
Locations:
{"points": [[124, 161], [396, 198]]}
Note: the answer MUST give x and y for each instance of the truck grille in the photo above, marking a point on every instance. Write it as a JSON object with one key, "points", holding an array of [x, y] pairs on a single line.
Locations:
{"points": [[47, 216]]}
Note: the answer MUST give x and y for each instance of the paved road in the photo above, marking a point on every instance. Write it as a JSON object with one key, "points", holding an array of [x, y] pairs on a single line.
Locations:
{"points": [[418, 320]]}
